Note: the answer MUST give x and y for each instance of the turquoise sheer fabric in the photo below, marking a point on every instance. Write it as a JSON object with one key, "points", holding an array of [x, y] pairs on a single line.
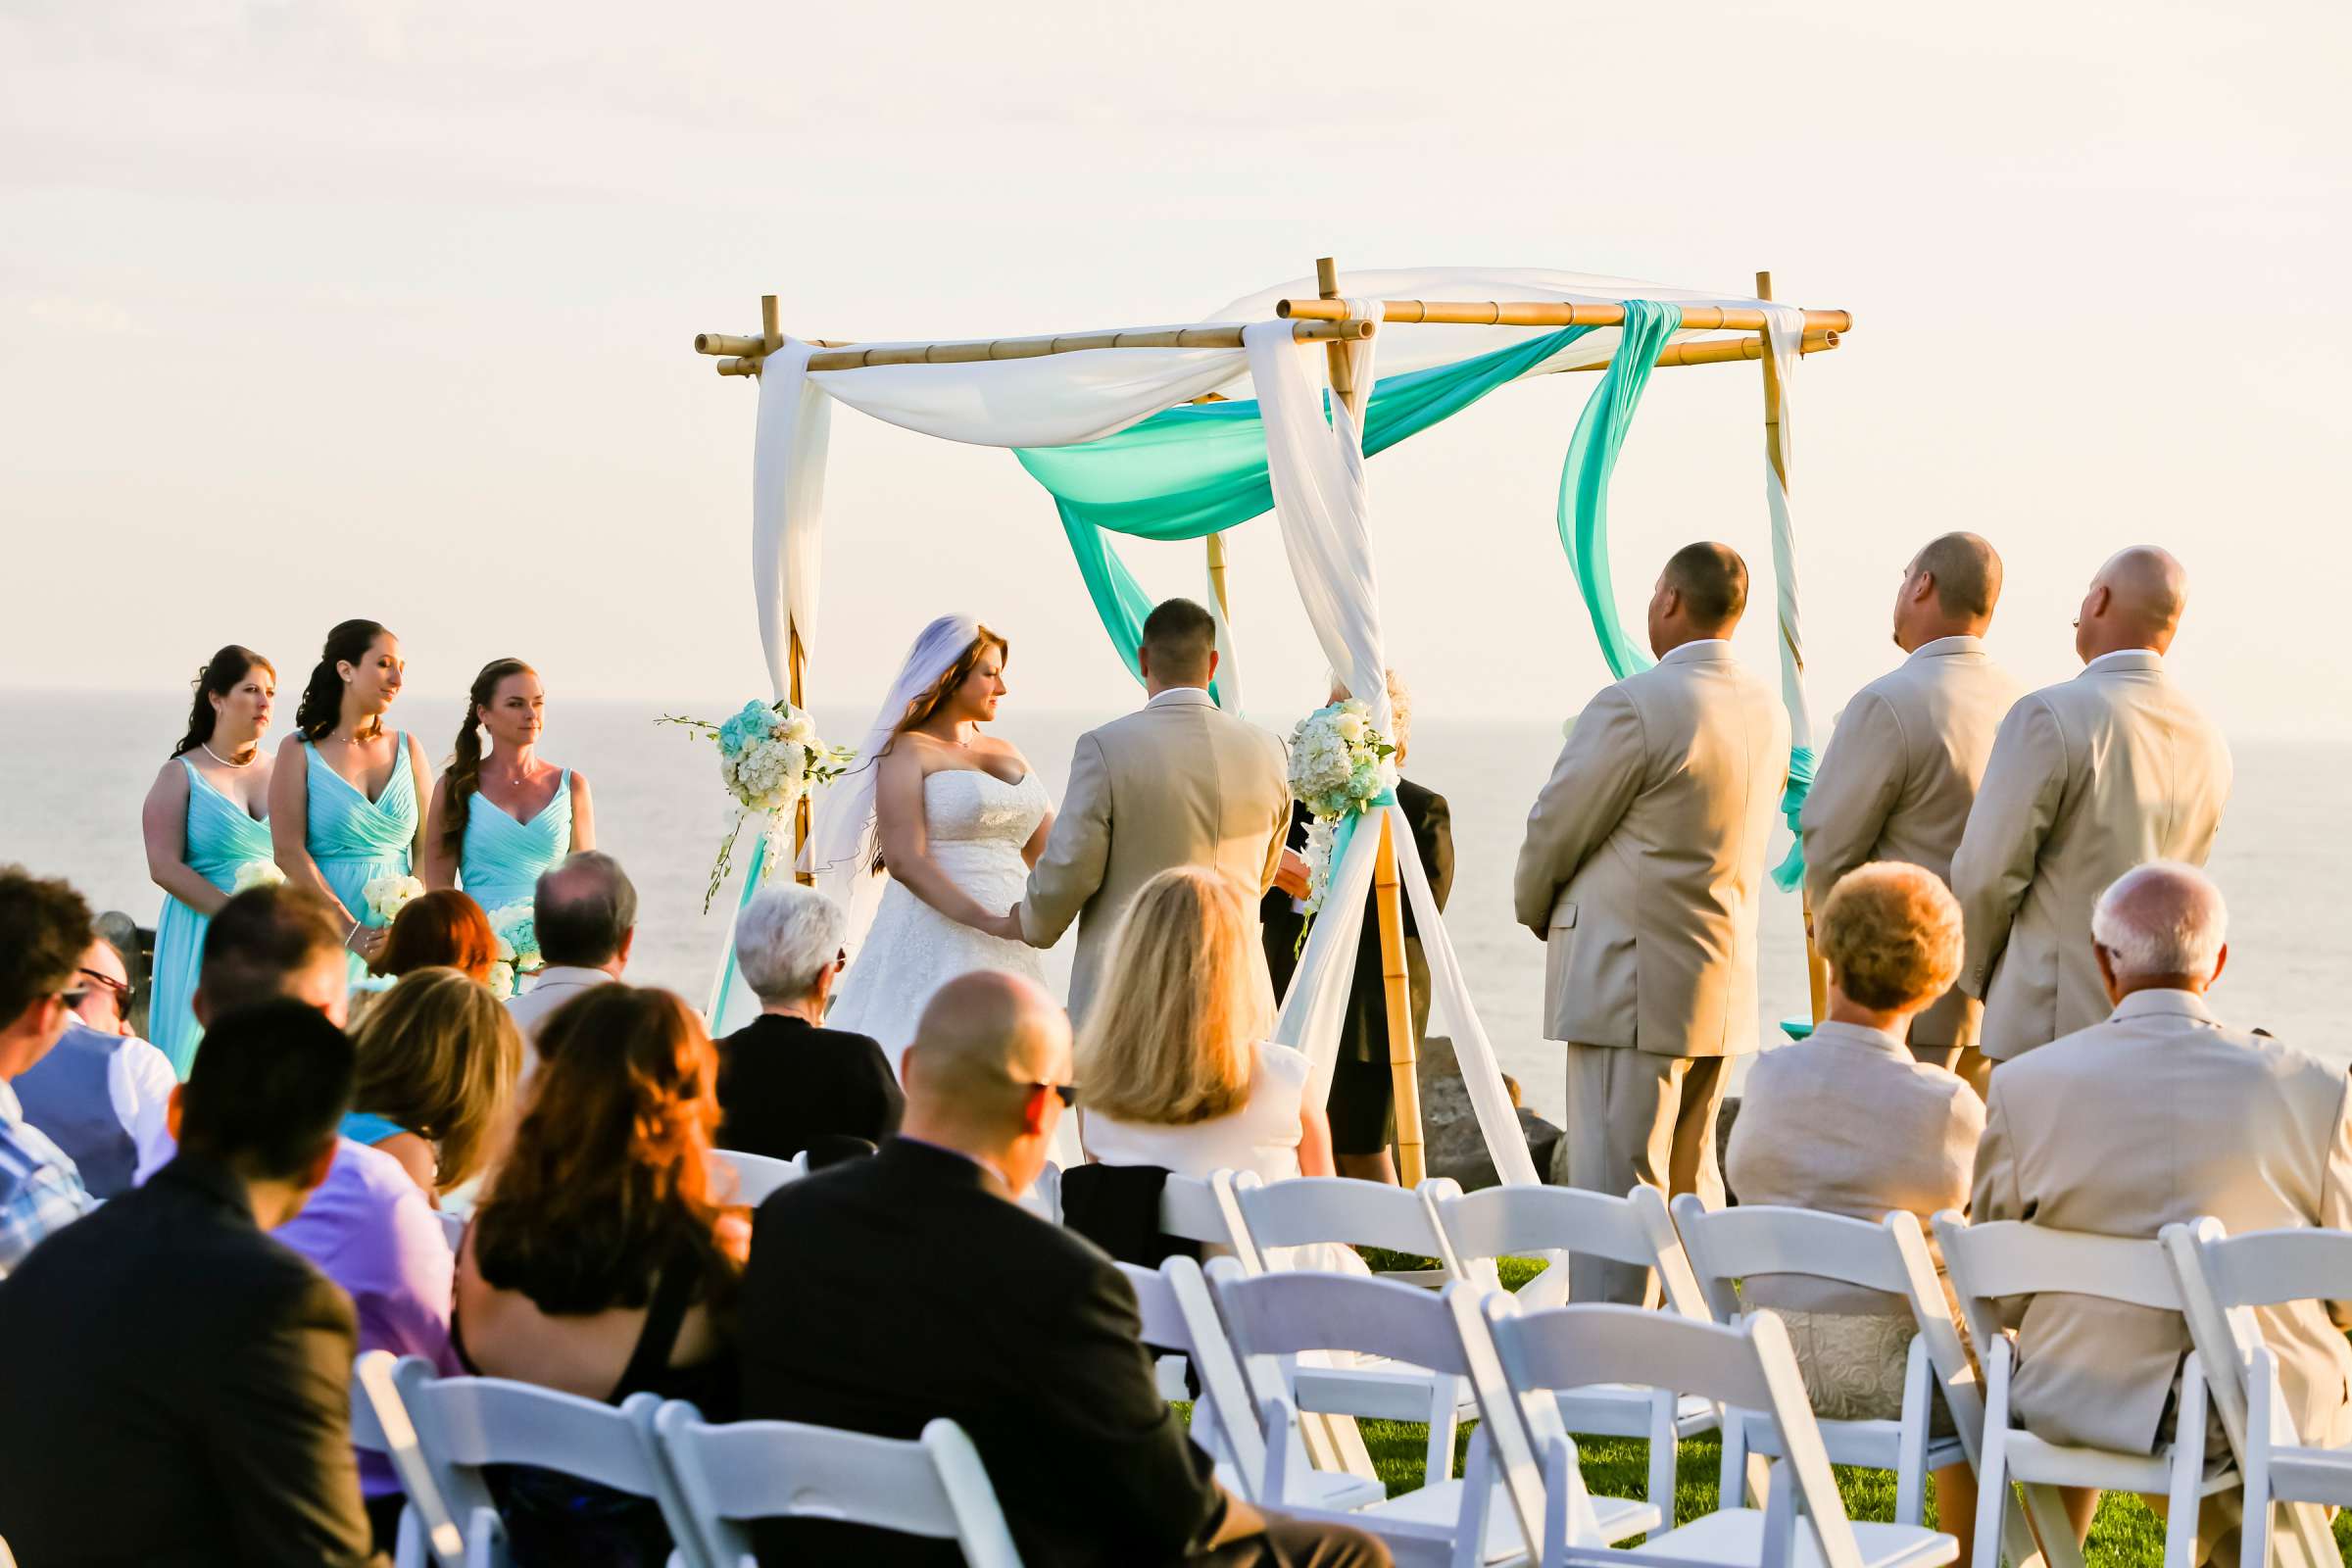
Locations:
{"points": [[366, 1127], [500, 862], [1791, 870], [354, 840], [219, 840], [1583, 510]]}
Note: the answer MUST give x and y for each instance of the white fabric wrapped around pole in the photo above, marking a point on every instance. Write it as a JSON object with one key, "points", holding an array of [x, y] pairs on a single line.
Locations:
{"points": [[1784, 330], [1052, 400], [788, 507]]}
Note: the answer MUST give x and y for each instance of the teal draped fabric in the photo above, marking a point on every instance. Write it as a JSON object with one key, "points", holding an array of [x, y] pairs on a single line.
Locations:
{"points": [[1344, 831], [1791, 870], [1583, 510], [1195, 469], [751, 886]]}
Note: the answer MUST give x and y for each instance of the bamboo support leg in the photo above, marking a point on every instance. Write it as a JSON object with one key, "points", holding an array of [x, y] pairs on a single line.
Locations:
{"points": [[1217, 574], [800, 817], [1405, 1062]]}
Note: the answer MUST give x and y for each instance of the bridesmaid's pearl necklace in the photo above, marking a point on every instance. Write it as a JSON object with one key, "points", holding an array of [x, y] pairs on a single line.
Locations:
{"points": [[225, 761]]}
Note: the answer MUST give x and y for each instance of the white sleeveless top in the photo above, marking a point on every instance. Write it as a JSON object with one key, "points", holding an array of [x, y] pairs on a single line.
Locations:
{"points": [[1263, 1135]]}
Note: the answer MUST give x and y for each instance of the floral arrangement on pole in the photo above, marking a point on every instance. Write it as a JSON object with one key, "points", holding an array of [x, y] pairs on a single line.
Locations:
{"points": [[769, 754], [1340, 764]]}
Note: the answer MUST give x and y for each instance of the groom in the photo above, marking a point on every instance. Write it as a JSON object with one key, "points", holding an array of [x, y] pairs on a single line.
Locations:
{"points": [[1178, 782]]}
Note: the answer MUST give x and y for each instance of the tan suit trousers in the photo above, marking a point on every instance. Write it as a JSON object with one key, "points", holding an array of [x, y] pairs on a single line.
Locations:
{"points": [[1637, 1117]]}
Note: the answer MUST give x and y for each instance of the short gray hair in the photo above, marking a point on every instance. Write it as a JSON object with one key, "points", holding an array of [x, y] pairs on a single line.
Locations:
{"points": [[785, 938], [2162, 918]]}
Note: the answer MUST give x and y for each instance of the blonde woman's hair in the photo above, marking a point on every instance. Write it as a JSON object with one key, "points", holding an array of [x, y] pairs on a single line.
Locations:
{"points": [[1179, 1007], [439, 1056], [1891, 932]]}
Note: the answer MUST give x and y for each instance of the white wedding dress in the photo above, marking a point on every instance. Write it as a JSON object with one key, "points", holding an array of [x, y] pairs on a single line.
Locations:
{"points": [[977, 824]]}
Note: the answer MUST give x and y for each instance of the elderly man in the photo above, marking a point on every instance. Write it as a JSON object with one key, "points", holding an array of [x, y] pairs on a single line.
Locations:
{"points": [[2216, 1121], [786, 1083], [2087, 778], [1642, 871], [1902, 766], [103, 1093], [585, 912], [1016, 1329]]}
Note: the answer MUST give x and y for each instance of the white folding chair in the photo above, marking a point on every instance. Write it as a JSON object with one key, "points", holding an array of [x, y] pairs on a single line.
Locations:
{"points": [[1525, 1358], [2223, 1279], [2010, 1258], [749, 1179], [1270, 1318], [933, 1486], [464, 1424], [1736, 1243], [379, 1424], [1559, 1223]]}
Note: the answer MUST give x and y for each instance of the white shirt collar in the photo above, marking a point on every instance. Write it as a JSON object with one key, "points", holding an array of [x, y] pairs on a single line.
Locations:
{"points": [[2163, 999], [1856, 1034], [1698, 648], [1939, 647], [1183, 697], [2138, 657]]}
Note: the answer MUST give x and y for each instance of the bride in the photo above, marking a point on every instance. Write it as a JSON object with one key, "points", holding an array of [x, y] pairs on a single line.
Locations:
{"points": [[956, 817]]}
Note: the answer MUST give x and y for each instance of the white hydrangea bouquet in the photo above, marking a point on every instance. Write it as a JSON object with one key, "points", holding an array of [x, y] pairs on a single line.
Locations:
{"points": [[255, 874], [387, 896], [515, 927], [1340, 764], [769, 755]]}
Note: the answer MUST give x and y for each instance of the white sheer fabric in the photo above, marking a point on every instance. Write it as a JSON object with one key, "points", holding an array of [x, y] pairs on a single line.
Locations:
{"points": [[788, 505], [1784, 330], [1054, 400]]}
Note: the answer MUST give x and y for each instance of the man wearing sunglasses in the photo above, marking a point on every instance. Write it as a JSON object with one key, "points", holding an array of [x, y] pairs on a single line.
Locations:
{"points": [[102, 1095], [44, 926]]}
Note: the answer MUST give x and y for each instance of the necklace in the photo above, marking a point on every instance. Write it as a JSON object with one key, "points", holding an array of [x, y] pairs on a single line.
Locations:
{"points": [[225, 761]]}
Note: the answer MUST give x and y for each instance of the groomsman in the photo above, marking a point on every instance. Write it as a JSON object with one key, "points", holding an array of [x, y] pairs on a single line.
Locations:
{"points": [[1641, 869], [1903, 763], [2087, 779]]}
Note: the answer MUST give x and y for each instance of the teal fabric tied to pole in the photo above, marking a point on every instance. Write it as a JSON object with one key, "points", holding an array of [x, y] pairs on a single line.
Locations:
{"points": [[1343, 833], [1583, 510], [1791, 870], [726, 968], [1193, 470]]}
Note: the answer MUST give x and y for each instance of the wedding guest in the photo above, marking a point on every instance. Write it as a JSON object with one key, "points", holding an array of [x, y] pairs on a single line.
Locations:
{"points": [[44, 929], [438, 1062], [1177, 1067], [206, 825], [585, 911], [175, 1386], [271, 942], [1361, 1107], [1902, 768], [599, 1264], [2087, 778], [1192, 785], [2161, 1112], [537, 811], [442, 929], [1643, 871], [1040, 1364], [1851, 1122], [102, 1093], [343, 803], [787, 1083]]}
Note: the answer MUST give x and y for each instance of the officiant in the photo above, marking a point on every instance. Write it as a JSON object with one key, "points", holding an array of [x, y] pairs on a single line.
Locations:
{"points": [[1362, 1105]]}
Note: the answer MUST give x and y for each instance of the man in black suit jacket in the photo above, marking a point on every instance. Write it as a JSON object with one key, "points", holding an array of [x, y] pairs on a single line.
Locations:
{"points": [[886, 1293], [175, 1386], [1362, 1104]]}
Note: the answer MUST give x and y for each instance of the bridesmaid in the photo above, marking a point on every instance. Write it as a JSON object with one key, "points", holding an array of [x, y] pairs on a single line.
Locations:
{"points": [[343, 806], [207, 817], [500, 820]]}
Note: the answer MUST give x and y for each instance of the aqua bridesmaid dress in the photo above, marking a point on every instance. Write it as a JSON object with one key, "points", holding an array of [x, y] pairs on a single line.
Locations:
{"points": [[221, 840], [501, 860], [354, 840]]}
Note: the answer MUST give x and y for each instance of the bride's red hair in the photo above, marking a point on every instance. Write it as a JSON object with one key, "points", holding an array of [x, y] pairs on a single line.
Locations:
{"points": [[924, 709]]}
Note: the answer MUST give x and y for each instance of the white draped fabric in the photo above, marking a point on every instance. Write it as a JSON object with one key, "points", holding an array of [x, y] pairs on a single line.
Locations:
{"points": [[1054, 400], [1784, 330], [788, 505]]}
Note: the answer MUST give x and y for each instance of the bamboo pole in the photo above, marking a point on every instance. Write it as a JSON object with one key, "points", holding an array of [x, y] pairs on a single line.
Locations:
{"points": [[799, 815], [772, 339], [1217, 574], [1031, 348], [1548, 313]]}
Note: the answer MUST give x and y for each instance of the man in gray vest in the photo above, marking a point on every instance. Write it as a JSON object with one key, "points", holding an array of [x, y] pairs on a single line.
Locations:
{"points": [[102, 1093]]}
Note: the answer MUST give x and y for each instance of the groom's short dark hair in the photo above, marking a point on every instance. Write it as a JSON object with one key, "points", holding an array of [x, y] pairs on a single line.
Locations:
{"points": [[1179, 636]]}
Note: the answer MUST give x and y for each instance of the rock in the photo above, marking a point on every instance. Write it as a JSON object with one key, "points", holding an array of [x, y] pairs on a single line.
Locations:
{"points": [[1451, 1143]]}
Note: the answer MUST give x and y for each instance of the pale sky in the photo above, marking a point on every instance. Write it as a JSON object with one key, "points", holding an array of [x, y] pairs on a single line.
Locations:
{"points": [[316, 309]]}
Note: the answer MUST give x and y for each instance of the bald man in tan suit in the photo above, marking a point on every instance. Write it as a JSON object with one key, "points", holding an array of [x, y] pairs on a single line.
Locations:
{"points": [[1902, 766], [1177, 782], [2087, 779], [1641, 870]]}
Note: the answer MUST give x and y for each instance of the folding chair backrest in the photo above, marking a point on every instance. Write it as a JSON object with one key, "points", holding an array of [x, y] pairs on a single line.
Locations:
{"points": [[749, 1179], [1518, 1221], [2010, 1257], [934, 1485], [1191, 1209], [380, 1424], [1156, 1304], [1280, 1314], [1178, 1314], [1734, 1244], [2268, 1269], [1308, 1210]]}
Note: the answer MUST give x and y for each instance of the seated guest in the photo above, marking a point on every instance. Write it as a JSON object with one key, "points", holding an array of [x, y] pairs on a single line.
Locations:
{"points": [[445, 930], [175, 1386], [102, 1093], [438, 1061], [44, 929], [584, 912], [1849, 1121], [1018, 1331], [597, 1263], [262, 945], [1175, 1060], [786, 1083], [2162, 1113]]}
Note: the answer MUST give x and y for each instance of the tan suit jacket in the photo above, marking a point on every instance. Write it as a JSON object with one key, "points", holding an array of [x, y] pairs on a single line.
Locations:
{"points": [[2087, 779], [2160, 1115], [1645, 857], [1175, 783], [1897, 780]]}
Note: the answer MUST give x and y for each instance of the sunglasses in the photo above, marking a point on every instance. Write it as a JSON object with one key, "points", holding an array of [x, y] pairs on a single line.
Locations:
{"points": [[120, 988], [1066, 1093]]}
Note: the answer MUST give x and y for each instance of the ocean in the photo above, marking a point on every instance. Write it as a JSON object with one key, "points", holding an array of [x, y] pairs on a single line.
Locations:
{"points": [[71, 780]]}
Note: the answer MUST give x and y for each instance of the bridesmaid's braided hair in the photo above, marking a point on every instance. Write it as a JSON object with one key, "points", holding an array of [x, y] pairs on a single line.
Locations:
{"points": [[219, 676], [464, 770], [322, 704]]}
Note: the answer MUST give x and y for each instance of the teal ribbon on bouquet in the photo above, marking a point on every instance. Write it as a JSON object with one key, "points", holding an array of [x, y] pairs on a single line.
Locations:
{"points": [[1343, 833], [1801, 763], [1583, 507]]}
